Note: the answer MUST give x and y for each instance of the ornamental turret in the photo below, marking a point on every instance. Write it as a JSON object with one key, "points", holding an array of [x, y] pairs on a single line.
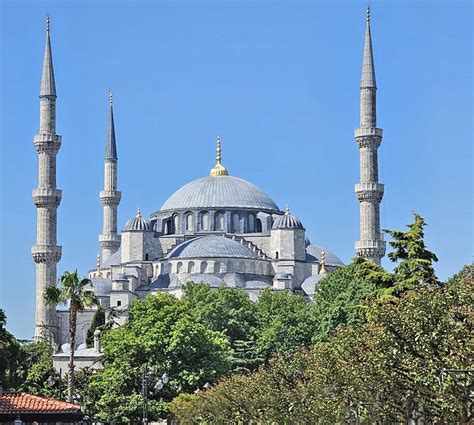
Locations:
{"points": [[46, 253], [369, 191], [110, 197]]}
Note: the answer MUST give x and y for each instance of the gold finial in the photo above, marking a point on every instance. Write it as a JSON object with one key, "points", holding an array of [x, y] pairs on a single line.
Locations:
{"points": [[219, 169], [99, 273], [47, 24], [323, 262], [111, 98], [139, 213], [287, 210]]}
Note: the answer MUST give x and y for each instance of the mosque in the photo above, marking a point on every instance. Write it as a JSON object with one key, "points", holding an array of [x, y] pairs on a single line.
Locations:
{"points": [[218, 229]]}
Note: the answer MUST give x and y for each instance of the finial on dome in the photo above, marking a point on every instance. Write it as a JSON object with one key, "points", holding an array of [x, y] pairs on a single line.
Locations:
{"points": [[111, 98], [287, 210], [99, 273], [323, 262], [139, 214], [219, 169]]}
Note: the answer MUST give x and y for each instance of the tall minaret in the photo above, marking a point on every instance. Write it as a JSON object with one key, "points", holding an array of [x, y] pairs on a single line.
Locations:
{"points": [[47, 198], [369, 191], [110, 197]]}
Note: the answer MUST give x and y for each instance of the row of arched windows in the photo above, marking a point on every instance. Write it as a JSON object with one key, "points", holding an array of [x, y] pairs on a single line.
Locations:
{"points": [[250, 267], [239, 223]]}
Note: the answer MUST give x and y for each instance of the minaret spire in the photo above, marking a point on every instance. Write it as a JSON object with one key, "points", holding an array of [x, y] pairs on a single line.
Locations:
{"points": [[46, 253], [369, 191], [110, 197]]}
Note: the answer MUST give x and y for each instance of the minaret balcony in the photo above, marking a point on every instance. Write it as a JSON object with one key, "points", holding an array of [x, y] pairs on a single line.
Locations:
{"points": [[368, 131], [109, 241], [46, 253], [368, 191], [110, 197], [47, 197], [47, 143]]}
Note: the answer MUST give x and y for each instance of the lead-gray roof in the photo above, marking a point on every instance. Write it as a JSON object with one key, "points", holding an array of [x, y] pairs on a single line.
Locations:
{"points": [[287, 221], [313, 253], [48, 86], [211, 247], [101, 287], [219, 192]]}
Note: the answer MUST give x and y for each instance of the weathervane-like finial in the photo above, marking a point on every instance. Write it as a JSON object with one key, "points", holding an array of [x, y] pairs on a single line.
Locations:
{"points": [[111, 98], [219, 169], [323, 262], [47, 24], [287, 209], [139, 213]]}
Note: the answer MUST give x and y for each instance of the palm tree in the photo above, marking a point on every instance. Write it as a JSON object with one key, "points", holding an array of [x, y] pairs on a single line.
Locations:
{"points": [[71, 288]]}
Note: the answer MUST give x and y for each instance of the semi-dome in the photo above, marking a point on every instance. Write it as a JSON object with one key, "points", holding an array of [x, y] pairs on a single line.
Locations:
{"points": [[314, 253], [211, 246], [138, 223], [101, 286], [287, 221], [219, 192]]}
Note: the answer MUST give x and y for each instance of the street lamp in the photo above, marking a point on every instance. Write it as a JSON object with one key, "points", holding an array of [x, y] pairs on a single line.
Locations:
{"points": [[52, 382]]}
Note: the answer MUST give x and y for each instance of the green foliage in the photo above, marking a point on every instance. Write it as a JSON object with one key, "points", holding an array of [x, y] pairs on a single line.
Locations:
{"points": [[385, 369], [98, 322], [162, 332], [415, 265], [284, 323], [9, 354]]}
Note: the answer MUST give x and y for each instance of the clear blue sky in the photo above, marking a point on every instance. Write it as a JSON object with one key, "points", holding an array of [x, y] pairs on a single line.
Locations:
{"points": [[278, 81]]}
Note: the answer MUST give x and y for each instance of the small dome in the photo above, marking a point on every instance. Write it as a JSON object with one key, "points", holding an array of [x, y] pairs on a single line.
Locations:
{"points": [[310, 285], [211, 246], [287, 221], [101, 287], [138, 224]]}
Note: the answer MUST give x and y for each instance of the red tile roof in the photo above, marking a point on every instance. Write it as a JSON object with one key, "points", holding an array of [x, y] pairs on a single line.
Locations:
{"points": [[28, 403]]}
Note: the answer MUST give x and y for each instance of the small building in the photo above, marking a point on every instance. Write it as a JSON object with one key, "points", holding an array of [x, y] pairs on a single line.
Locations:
{"points": [[24, 408]]}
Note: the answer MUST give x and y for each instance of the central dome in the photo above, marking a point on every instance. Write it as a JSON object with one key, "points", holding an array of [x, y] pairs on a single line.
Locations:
{"points": [[219, 192]]}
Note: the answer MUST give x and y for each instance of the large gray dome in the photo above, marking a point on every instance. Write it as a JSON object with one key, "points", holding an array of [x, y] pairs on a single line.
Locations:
{"points": [[211, 246], [219, 192]]}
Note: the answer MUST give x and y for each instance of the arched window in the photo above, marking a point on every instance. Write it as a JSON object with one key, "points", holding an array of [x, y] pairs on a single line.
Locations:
{"points": [[251, 268], [236, 222], [191, 267], [203, 267], [204, 221], [241, 267], [146, 257], [179, 267], [219, 221], [259, 226], [217, 267], [251, 223], [169, 227], [189, 222], [175, 224]]}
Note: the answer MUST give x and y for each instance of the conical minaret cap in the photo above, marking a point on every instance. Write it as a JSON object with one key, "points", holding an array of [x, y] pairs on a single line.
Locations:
{"points": [[111, 145], [368, 68], [48, 86]]}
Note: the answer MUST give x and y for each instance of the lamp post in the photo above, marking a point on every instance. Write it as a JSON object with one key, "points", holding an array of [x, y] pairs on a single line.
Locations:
{"points": [[158, 387], [52, 382]]}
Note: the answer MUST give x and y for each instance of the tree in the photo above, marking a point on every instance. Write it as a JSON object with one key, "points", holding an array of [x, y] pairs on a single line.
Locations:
{"points": [[389, 368], [339, 300], [284, 323], [71, 288], [98, 322], [415, 265], [9, 353], [163, 333]]}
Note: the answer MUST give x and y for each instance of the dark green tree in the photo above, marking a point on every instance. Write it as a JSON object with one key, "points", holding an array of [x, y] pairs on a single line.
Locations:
{"points": [[415, 262], [98, 322]]}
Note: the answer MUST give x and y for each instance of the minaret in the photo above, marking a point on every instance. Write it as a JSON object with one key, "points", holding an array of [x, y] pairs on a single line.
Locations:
{"points": [[369, 191], [47, 198], [109, 239]]}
